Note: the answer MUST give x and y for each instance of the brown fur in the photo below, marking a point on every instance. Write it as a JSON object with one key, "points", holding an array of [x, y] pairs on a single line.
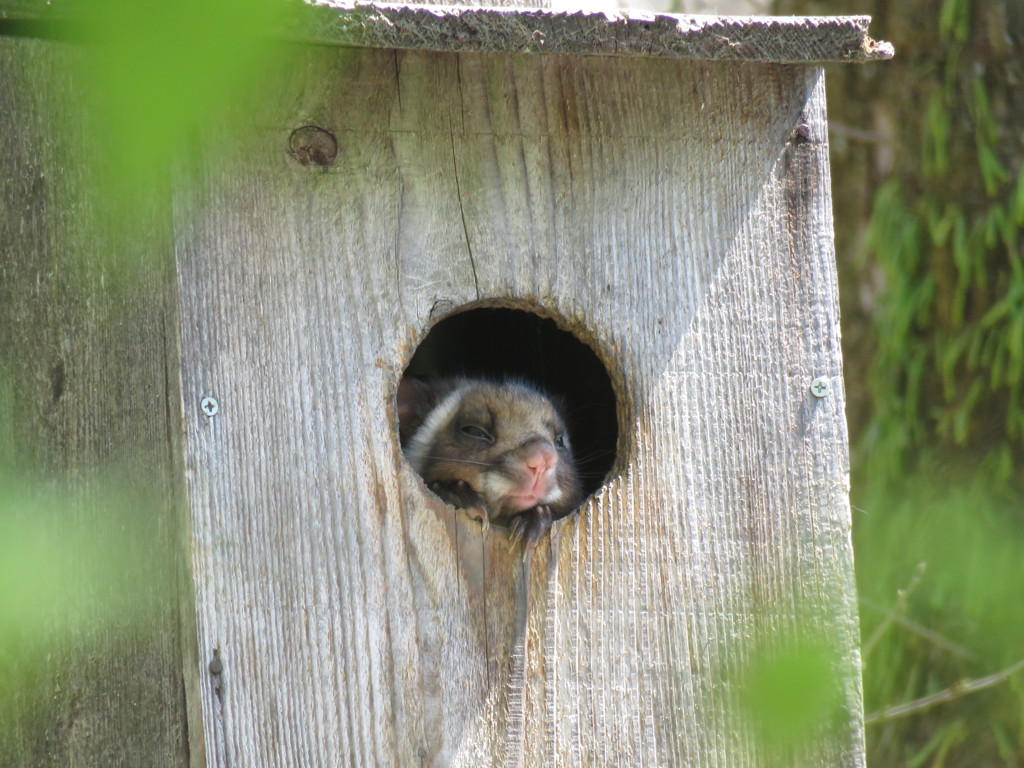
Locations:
{"points": [[485, 452]]}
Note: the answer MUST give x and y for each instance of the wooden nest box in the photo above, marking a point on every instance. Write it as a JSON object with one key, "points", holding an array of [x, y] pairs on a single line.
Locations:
{"points": [[635, 207]]}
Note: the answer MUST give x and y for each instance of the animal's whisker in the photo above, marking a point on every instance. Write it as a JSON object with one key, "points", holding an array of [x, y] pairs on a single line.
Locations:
{"points": [[458, 461], [586, 458]]}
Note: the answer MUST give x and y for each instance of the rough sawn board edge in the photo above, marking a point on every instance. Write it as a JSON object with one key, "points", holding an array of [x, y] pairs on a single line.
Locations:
{"points": [[779, 39], [454, 28]]}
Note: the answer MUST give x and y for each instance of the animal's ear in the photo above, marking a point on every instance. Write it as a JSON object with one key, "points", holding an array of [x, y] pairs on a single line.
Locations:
{"points": [[416, 398]]}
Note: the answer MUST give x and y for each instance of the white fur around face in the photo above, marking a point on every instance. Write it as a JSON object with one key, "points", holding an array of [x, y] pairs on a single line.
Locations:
{"points": [[498, 486], [555, 495], [419, 444]]}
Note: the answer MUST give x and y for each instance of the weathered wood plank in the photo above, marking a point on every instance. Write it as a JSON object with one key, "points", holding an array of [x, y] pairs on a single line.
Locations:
{"points": [[666, 209], [627, 32], [499, 27], [89, 428]]}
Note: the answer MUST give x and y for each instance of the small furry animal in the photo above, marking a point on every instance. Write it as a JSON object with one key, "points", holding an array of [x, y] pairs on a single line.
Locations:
{"points": [[498, 448]]}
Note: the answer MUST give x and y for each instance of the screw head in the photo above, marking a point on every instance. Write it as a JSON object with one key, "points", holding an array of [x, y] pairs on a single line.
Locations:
{"points": [[819, 387], [209, 406]]}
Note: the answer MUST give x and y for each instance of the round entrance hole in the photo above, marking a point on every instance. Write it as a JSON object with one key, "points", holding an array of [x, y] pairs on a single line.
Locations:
{"points": [[500, 344]]}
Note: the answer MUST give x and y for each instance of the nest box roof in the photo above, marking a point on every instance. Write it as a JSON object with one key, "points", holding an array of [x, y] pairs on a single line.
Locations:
{"points": [[780, 39]]}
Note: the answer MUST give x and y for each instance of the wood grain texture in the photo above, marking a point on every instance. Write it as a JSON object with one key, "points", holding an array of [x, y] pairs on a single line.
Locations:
{"points": [[466, 27], [90, 449], [498, 26], [666, 210]]}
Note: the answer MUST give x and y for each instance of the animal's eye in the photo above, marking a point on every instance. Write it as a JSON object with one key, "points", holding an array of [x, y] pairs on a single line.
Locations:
{"points": [[478, 433], [561, 441]]}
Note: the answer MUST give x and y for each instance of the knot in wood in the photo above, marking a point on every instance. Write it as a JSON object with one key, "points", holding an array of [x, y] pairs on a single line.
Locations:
{"points": [[311, 145]]}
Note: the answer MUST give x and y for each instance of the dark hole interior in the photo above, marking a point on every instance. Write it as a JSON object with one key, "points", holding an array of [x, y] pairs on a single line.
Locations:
{"points": [[496, 343]]}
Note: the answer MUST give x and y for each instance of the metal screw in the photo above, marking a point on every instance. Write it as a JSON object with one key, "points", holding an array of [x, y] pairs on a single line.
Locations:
{"points": [[819, 387], [209, 406]]}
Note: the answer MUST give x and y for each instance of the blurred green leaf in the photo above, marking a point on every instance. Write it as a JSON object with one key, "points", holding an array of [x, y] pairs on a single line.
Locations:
{"points": [[790, 692], [160, 69], [67, 560]]}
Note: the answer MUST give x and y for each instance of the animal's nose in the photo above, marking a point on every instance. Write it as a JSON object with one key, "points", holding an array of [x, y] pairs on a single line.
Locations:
{"points": [[540, 459]]}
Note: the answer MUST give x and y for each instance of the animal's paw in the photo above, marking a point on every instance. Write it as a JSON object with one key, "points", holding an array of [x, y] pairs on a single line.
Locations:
{"points": [[529, 525], [460, 494]]}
